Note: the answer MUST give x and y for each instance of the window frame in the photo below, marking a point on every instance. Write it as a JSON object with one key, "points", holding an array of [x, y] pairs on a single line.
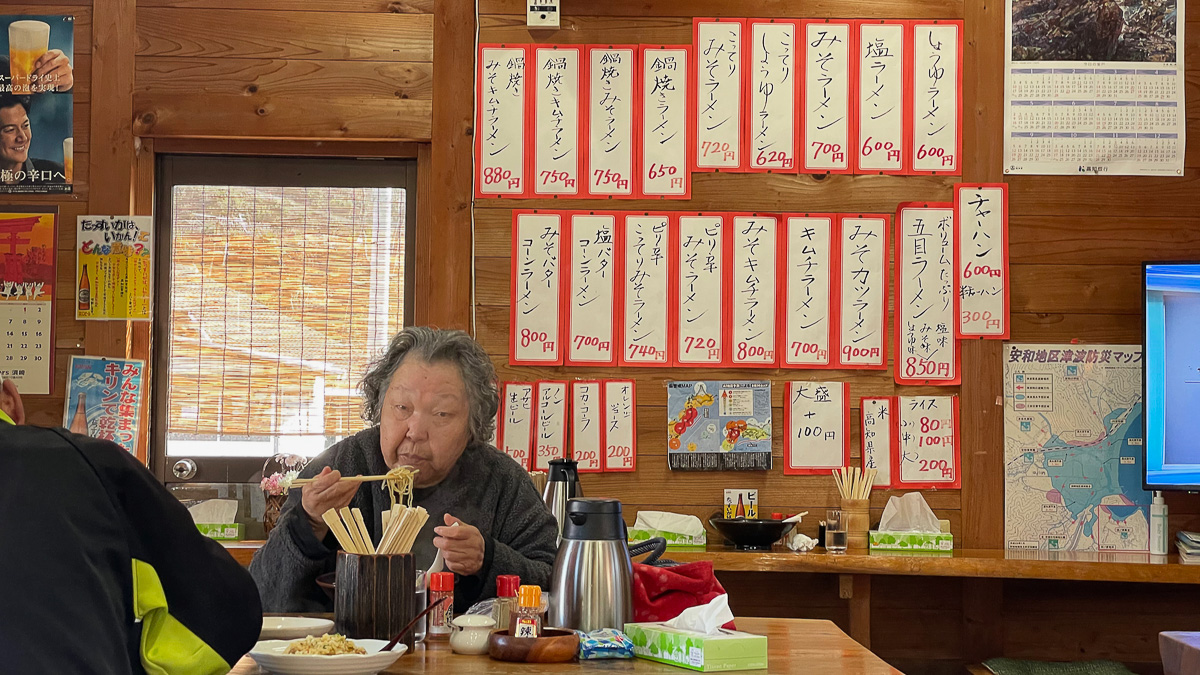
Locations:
{"points": [[268, 171]]}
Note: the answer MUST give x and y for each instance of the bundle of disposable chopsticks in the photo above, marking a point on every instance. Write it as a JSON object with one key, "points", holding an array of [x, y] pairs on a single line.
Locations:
{"points": [[401, 526], [854, 483]]}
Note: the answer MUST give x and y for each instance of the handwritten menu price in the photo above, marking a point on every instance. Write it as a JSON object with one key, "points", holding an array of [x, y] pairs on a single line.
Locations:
{"points": [[926, 302], [881, 145], [587, 425], [500, 122], [817, 427], [928, 455], [592, 290], [646, 282], [700, 293], [981, 259], [516, 424], [666, 171], [825, 97], [535, 317], [550, 435], [937, 97], [718, 94], [555, 124], [877, 416], [862, 310], [620, 427], [752, 284], [773, 130], [611, 102], [809, 262]]}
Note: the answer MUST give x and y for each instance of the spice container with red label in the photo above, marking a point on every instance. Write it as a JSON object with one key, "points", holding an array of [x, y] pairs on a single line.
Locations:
{"points": [[441, 585], [527, 622]]}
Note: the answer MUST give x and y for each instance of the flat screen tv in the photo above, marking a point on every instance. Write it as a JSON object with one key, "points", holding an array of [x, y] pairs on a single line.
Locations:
{"points": [[1171, 377]]}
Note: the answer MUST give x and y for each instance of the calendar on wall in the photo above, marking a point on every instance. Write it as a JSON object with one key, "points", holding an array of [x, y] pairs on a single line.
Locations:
{"points": [[1105, 97], [27, 276]]}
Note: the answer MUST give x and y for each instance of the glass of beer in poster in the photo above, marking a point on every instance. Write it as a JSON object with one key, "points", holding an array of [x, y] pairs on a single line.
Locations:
{"points": [[27, 41], [69, 158]]}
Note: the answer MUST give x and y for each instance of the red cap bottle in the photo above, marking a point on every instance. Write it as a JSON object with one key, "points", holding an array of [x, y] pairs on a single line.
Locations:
{"points": [[776, 516], [441, 581], [507, 585]]}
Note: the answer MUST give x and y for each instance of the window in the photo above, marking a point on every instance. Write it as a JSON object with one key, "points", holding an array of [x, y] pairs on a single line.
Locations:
{"points": [[279, 280]]}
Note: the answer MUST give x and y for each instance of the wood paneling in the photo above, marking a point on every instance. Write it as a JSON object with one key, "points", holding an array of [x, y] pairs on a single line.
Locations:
{"points": [[817, 9], [370, 6]]}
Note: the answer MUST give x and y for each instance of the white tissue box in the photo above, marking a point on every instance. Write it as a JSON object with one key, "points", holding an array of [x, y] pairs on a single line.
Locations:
{"points": [[913, 541], [724, 650], [222, 531]]}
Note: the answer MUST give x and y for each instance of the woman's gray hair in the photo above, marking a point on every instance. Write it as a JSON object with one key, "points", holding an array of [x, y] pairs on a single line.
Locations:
{"points": [[432, 346]]}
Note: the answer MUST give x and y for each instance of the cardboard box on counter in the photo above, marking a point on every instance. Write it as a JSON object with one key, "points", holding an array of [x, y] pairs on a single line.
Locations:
{"points": [[913, 541], [222, 531], [722, 651]]}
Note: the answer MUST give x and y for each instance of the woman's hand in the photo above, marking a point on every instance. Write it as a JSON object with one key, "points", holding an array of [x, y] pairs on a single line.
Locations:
{"points": [[53, 71], [324, 493], [461, 547]]}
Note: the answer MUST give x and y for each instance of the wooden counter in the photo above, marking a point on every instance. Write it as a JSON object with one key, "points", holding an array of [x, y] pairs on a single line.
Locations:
{"points": [[793, 646]]}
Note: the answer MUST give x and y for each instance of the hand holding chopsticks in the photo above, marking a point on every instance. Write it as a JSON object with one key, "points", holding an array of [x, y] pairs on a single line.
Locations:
{"points": [[401, 526], [854, 483]]}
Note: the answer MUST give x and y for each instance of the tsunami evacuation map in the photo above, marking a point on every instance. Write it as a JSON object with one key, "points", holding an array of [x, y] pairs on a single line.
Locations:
{"points": [[1073, 448]]}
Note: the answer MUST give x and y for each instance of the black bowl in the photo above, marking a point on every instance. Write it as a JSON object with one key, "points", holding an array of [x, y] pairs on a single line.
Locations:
{"points": [[328, 583], [749, 534]]}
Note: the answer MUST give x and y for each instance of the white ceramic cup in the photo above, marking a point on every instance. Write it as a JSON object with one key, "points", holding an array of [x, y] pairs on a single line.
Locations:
{"points": [[470, 633]]}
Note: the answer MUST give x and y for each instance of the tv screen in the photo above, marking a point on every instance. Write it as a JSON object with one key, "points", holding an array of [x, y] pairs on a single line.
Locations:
{"points": [[1172, 375]]}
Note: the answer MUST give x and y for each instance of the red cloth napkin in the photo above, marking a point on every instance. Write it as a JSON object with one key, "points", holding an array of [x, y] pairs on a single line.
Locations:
{"points": [[662, 593]]}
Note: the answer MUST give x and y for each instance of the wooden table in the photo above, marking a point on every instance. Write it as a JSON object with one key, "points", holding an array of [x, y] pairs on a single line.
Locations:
{"points": [[794, 646]]}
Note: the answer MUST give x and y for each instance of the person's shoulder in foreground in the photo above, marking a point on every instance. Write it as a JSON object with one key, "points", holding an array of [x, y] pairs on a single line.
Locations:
{"points": [[111, 575]]}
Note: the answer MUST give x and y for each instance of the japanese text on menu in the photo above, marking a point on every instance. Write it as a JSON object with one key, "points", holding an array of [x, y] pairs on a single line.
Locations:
{"points": [[937, 87], [516, 434], [753, 272], [551, 427], [556, 158], [592, 289], [864, 254], [501, 157], [610, 121], [808, 302], [818, 414], [926, 350], [646, 290], [700, 299], [665, 170], [773, 129], [620, 435], [536, 280], [587, 429], [880, 144], [719, 95], [877, 438], [981, 217], [928, 455], [826, 97]]}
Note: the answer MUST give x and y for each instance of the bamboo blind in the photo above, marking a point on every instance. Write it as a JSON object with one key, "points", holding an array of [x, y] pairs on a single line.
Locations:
{"points": [[280, 297]]}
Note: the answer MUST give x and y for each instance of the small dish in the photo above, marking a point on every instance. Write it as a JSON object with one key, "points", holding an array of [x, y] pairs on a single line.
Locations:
{"points": [[269, 656], [554, 646], [292, 627]]}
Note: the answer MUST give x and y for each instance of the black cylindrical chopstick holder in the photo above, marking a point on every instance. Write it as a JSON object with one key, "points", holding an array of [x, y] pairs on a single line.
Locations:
{"points": [[376, 596]]}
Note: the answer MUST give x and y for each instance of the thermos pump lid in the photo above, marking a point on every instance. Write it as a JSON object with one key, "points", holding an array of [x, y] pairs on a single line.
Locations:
{"points": [[597, 518], [562, 469]]}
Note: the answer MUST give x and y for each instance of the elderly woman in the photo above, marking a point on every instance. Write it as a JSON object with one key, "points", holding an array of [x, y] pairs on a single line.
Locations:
{"points": [[432, 399]]}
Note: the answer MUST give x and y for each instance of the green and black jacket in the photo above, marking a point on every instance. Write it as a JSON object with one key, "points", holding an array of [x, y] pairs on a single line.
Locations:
{"points": [[104, 570]]}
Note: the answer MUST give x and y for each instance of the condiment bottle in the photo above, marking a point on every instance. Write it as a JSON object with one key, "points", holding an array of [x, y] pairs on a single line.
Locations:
{"points": [[527, 622], [506, 600], [441, 585]]}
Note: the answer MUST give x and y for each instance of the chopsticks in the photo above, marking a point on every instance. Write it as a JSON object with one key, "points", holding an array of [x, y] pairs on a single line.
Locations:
{"points": [[401, 525], [343, 479], [854, 483]]}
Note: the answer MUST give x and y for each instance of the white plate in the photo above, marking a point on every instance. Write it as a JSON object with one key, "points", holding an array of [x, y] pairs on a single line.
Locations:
{"points": [[289, 627], [270, 657]]}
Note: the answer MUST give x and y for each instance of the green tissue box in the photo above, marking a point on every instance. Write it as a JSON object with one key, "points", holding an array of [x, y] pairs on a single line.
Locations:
{"points": [[675, 541], [727, 650], [222, 531], [911, 541]]}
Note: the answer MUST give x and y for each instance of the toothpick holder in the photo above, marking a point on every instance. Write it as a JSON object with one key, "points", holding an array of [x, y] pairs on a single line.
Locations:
{"points": [[376, 596], [857, 513]]}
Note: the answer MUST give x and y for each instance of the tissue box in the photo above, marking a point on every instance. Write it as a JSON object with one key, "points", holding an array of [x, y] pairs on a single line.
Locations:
{"points": [[912, 541], [726, 650], [675, 541], [222, 531]]}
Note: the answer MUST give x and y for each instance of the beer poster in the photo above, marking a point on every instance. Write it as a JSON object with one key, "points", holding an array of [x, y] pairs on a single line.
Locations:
{"points": [[27, 277], [37, 81], [113, 267], [104, 398]]}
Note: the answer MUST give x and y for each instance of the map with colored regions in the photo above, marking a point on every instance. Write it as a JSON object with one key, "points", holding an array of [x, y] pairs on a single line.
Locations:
{"points": [[1073, 448]]}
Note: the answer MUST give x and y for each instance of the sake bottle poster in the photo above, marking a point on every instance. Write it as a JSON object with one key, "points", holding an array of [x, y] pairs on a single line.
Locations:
{"points": [[113, 267], [27, 278], [37, 84], [104, 399]]}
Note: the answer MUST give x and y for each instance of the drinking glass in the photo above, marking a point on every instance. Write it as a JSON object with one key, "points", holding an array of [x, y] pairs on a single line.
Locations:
{"points": [[835, 531], [69, 158], [422, 599], [27, 41]]}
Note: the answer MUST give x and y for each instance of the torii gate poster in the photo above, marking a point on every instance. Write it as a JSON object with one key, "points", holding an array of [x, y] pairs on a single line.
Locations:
{"points": [[27, 276]]}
